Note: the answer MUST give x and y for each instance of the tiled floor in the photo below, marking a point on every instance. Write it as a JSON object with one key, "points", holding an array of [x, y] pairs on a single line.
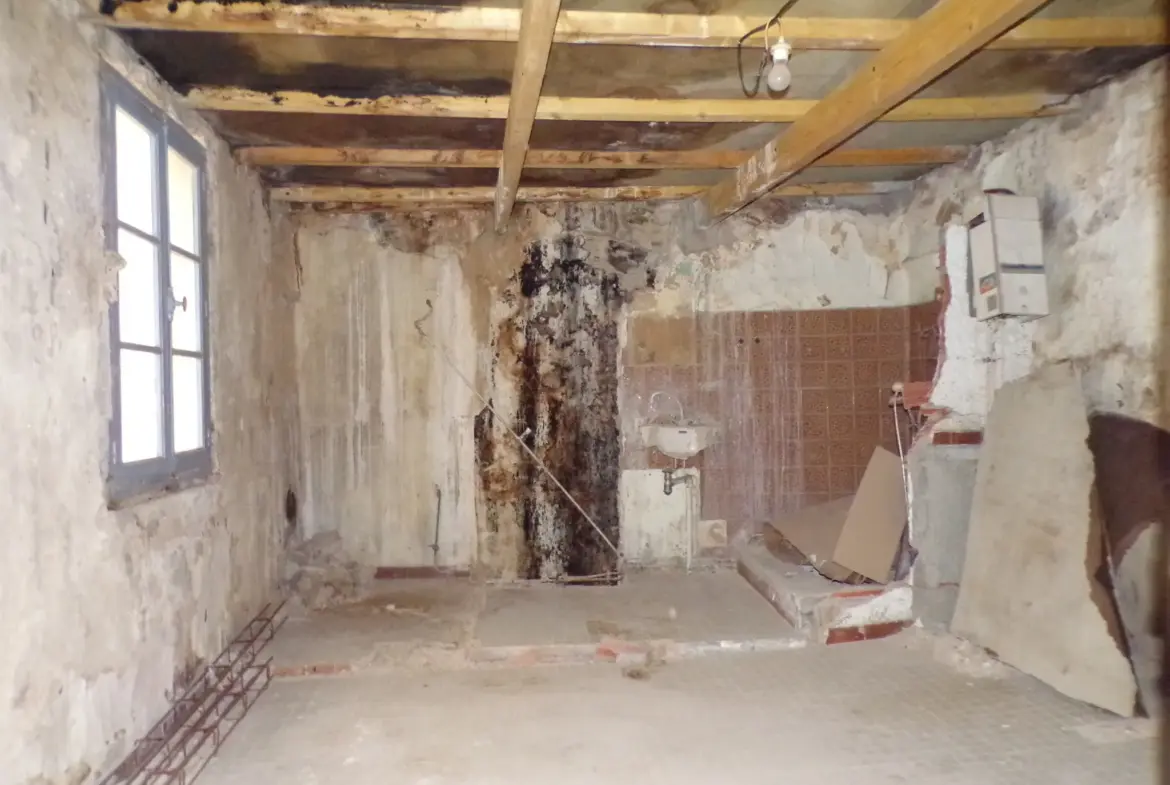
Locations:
{"points": [[439, 622], [889, 711]]}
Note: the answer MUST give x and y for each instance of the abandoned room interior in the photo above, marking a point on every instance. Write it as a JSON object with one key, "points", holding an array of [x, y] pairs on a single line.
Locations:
{"points": [[582, 391]]}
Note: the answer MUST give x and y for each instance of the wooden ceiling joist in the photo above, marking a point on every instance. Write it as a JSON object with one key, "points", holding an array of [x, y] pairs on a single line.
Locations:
{"points": [[938, 40], [353, 194], [726, 110], [595, 27], [577, 159], [538, 18]]}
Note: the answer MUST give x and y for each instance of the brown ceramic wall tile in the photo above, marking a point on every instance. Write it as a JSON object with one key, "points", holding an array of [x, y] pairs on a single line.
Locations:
{"points": [[801, 398], [842, 480], [839, 347], [812, 347], [839, 375], [866, 373], [816, 479], [813, 426], [838, 322], [658, 340], [868, 347], [810, 323], [812, 374], [892, 320], [864, 320], [814, 452], [840, 400], [843, 452], [814, 401]]}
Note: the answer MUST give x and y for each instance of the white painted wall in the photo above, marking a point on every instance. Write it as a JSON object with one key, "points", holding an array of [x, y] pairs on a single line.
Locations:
{"points": [[102, 609]]}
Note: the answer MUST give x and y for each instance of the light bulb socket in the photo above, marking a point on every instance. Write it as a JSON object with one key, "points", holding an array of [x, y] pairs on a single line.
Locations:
{"points": [[781, 51]]}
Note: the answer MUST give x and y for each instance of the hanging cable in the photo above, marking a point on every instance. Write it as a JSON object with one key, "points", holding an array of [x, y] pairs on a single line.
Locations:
{"points": [[517, 436], [775, 20]]}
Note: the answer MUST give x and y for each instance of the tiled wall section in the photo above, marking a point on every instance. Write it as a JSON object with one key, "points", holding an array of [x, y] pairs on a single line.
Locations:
{"points": [[801, 398]]}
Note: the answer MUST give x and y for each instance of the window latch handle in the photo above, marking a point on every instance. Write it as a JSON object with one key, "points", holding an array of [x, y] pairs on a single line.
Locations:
{"points": [[173, 304]]}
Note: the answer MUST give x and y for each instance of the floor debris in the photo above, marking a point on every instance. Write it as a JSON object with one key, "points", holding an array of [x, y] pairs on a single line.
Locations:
{"points": [[318, 575]]}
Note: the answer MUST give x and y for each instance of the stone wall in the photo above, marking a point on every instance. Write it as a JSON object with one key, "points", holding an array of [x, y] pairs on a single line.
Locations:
{"points": [[105, 611], [1100, 175]]}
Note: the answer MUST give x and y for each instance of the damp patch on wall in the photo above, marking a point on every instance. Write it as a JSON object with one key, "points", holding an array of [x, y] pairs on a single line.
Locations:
{"points": [[558, 349]]}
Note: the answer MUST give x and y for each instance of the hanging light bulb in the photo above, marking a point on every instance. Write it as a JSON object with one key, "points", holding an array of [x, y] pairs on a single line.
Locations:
{"points": [[780, 75]]}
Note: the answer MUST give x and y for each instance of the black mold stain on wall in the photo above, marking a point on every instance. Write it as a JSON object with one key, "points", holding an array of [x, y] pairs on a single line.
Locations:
{"points": [[560, 348]]}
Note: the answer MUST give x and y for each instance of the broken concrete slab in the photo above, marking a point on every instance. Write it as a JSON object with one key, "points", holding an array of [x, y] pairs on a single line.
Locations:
{"points": [[822, 610], [1029, 591]]}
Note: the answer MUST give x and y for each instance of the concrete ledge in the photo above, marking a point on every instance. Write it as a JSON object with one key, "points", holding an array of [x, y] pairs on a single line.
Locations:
{"points": [[820, 609], [437, 657]]}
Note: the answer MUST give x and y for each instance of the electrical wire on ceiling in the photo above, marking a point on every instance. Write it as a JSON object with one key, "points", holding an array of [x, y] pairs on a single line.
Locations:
{"points": [[754, 90]]}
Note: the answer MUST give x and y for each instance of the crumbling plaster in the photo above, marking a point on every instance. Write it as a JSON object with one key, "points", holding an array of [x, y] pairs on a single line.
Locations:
{"points": [[1100, 176], [812, 256], [388, 413], [387, 422], [103, 610]]}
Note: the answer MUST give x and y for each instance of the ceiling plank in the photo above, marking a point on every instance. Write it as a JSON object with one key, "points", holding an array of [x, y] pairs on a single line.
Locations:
{"points": [[939, 39], [693, 110], [577, 159], [596, 27], [538, 18], [353, 194]]}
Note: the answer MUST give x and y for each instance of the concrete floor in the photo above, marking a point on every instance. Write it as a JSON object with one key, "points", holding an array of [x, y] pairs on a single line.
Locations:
{"points": [[447, 623], [899, 710]]}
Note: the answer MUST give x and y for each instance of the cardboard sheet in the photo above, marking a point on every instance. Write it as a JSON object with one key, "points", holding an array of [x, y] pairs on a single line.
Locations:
{"points": [[855, 534]]}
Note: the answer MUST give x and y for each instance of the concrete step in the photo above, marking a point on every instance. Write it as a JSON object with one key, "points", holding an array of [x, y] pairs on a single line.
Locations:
{"points": [[822, 610]]}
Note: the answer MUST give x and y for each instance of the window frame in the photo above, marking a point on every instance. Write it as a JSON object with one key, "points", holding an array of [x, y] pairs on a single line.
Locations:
{"points": [[171, 471]]}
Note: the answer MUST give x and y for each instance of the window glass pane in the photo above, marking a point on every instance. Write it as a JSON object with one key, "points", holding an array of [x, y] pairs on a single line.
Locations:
{"points": [[138, 303], [135, 156], [187, 377], [182, 202], [141, 412], [186, 324]]}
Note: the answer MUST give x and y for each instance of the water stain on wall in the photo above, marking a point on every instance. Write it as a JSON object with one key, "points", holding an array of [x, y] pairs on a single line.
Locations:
{"points": [[558, 348]]}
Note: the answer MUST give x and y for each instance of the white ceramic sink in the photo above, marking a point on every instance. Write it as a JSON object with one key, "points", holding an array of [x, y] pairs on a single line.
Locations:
{"points": [[679, 441]]}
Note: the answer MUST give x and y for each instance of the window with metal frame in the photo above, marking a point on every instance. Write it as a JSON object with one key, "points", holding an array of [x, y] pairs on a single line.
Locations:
{"points": [[156, 221]]}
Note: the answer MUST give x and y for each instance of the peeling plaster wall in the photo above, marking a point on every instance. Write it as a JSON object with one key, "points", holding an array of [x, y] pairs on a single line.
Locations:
{"points": [[1100, 176], [103, 611], [811, 258], [387, 422]]}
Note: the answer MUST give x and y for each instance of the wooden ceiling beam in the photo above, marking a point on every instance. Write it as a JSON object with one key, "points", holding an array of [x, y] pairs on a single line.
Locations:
{"points": [[596, 27], [356, 194], [692, 110], [538, 18], [577, 159], [937, 41]]}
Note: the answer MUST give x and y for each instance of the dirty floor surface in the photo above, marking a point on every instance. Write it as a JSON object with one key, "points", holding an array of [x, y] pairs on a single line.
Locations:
{"points": [[446, 621], [888, 711]]}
